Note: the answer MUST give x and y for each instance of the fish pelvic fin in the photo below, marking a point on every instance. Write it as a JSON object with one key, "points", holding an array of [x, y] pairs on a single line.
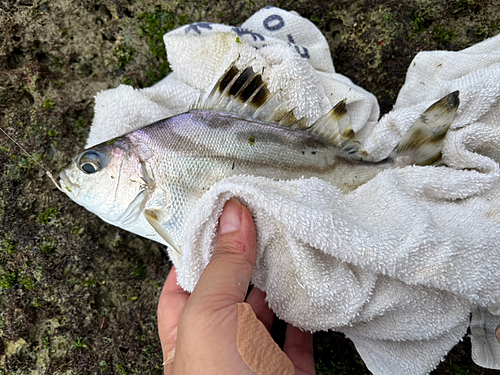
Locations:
{"points": [[153, 218], [423, 142]]}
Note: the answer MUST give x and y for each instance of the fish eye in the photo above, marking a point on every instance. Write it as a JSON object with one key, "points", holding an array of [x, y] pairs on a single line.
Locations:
{"points": [[89, 162], [89, 167]]}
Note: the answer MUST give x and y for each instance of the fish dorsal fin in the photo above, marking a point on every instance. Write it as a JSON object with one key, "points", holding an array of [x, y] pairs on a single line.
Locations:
{"points": [[335, 127], [245, 93], [422, 143]]}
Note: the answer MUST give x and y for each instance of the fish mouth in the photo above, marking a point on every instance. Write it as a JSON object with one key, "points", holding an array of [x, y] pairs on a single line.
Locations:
{"points": [[69, 187]]}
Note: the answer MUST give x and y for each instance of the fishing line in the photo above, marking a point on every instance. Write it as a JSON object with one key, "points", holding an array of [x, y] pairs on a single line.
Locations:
{"points": [[32, 158]]}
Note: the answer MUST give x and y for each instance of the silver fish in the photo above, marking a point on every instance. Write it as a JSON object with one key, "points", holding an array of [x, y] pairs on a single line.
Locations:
{"points": [[148, 181]]}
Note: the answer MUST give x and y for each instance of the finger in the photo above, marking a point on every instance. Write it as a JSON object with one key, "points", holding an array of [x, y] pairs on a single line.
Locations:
{"points": [[226, 278], [497, 333], [257, 299], [172, 300], [299, 348]]}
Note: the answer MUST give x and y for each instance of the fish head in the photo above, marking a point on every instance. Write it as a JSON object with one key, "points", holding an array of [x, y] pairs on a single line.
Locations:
{"points": [[105, 179]]}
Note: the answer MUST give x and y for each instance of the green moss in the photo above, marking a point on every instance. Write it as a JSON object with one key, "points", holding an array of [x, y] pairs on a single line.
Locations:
{"points": [[48, 103], [251, 140], [250, 4], [56, 65], [183, 19], [8, 247], [79, 343], [112, 141], [103, 366], [442, 36], [115, 242], [120, 369], [139, 271], [487, 29], [85, 69], [123, 54], [80, 123], [27, 282], [126, 80], [48, 245], [53, 133], [23, 161], [461, 6], [45, 217], [56, 84], [90, 282], [457, 370], [76, 229], [8, 279], [153, 26], [421, 20]]}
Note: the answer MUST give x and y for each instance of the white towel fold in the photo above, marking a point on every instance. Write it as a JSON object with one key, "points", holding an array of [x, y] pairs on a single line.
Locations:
{"points": [[397, 265]]}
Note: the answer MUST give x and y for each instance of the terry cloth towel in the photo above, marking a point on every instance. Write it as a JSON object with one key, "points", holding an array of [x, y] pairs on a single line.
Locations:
{"points": [[398, 264]]}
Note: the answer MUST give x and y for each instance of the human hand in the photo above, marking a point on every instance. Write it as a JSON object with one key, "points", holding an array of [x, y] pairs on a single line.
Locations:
{"points": [[211, 331]]}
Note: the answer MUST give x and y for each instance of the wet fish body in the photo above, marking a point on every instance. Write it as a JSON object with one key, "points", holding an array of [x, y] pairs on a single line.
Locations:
{"points": [[149, 181], [178, 159]]}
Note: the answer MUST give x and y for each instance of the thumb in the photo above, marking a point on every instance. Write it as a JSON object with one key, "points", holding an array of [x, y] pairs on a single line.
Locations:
{"points": [[226, 278]]}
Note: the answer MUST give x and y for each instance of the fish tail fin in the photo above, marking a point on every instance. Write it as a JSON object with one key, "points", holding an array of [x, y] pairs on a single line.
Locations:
{"points": [[423, 142]]}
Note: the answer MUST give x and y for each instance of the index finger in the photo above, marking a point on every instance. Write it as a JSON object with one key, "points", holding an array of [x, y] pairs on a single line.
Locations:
{"points": [[172, 300]]}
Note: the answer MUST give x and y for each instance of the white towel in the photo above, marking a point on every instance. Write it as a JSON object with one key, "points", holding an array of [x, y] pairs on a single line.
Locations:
{"points": [[397, 265]]}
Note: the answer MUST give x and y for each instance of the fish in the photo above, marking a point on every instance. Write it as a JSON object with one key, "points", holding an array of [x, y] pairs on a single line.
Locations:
{"points": [[149, 180]]}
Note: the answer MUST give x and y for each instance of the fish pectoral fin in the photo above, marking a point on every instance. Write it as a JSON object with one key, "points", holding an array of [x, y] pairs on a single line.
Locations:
{"points": [[153, 218], [136, 207], [423, 142]]}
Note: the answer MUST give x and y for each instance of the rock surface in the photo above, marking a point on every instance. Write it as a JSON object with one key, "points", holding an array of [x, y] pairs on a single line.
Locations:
{"points": [[79, 296]]}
